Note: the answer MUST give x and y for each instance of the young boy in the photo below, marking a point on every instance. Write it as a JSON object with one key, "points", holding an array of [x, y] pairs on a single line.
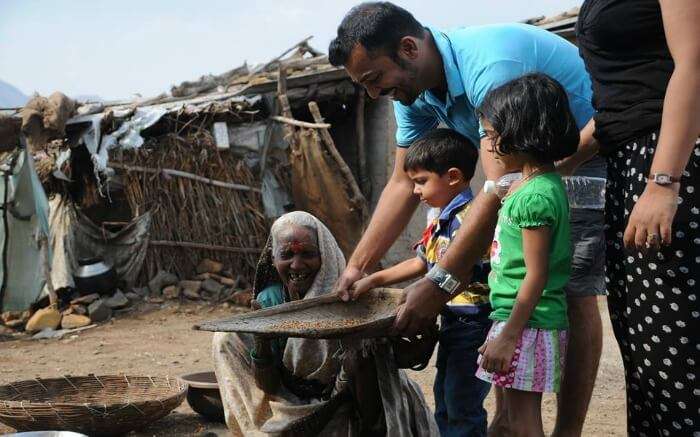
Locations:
{"points": [[441, 164]]}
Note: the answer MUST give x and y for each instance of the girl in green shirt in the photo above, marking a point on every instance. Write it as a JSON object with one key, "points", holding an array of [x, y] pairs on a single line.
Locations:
{"points": [[530, 127]]}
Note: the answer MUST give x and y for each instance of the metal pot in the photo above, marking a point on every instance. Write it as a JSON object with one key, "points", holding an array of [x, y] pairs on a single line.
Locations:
{"points": [[203, 395], [94, 275]]}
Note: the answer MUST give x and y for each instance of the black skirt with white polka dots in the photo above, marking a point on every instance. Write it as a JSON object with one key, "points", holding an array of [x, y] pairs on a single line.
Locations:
{"points": [[653, 300]]}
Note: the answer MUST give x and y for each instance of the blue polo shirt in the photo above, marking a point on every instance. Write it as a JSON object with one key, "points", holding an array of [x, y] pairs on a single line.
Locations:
{"points": [[479, 58]]}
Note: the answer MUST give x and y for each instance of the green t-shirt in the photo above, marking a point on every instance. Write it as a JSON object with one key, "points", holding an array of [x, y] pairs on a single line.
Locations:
{"points": [[541, 201]]}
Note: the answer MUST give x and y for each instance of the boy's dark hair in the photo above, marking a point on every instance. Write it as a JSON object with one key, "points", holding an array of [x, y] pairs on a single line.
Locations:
{"points": [[441, 149], [378, 26], [531, 114]]}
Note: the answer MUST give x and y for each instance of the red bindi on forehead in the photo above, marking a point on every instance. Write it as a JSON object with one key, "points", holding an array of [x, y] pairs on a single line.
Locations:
{"points": [[296, 246]]}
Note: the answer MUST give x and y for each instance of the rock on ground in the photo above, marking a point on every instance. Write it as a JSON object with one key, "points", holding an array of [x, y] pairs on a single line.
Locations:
{"points": [[161, 280], [209, 266], [74, 321], [242, 298], [48, 317], [171, 292], [117, 300], [99, 311]]}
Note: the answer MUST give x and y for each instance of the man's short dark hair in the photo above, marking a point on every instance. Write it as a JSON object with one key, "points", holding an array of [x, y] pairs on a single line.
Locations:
{"points": [[378, 26], [531, 114], [440, 150]]}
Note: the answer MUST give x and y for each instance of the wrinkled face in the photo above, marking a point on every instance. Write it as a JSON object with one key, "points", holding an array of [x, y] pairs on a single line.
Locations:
{"points": [[297, 258], [433, 189], [510, 162], [383, 76]]}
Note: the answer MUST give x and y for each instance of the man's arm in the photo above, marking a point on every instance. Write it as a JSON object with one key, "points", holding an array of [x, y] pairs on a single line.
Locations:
{"points": [[394, 210], [476, 233], [588, 147], [424, 299]]}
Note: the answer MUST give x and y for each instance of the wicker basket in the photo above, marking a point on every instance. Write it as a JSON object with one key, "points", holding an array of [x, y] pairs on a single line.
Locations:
{"points": [[93, 405]]}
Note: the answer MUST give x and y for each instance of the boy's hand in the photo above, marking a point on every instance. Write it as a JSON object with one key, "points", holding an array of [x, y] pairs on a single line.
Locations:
{"points": [[362, 286], [497, 354], [345, 283]]}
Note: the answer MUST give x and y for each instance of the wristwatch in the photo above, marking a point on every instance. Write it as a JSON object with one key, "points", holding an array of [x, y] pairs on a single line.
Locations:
{"points": [[489, 187], [663, 179], [444, 280]]}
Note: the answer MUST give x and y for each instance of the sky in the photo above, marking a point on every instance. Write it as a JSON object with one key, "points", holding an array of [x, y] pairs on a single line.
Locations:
{"points": [[116, 49]]}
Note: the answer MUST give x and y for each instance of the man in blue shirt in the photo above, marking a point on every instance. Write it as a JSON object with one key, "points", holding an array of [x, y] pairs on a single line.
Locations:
{"points": [[437, 76]]}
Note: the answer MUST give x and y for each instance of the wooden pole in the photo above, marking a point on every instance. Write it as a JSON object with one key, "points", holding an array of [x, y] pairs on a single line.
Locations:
{"points": [[300, 123], [276, 59], [361, 145], [44, 249], [356, 195], [183, 174]]}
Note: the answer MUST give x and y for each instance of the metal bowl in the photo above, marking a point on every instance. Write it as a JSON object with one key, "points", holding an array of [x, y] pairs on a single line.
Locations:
{"points": [[203, 395]]}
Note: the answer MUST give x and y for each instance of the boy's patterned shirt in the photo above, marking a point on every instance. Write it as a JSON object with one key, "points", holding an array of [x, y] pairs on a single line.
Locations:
{"points": [[433, 245]]}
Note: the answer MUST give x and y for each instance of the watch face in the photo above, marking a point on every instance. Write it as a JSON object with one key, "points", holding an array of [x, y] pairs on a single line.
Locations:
{"points": [[450, 284], [662, 179]]}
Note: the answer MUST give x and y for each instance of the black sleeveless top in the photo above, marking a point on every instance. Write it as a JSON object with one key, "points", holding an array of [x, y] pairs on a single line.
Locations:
{"points": [[624, 47]]}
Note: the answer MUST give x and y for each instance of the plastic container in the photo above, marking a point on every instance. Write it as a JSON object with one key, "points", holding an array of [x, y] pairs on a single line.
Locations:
{"points": [[584, 192], [504, 182]]}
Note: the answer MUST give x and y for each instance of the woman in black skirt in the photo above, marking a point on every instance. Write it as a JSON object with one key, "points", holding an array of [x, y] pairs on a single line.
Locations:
{"points": [[644, 60]]}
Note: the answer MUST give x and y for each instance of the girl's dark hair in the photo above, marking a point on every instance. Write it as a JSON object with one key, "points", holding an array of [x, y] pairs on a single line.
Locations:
{"points": [[378, 26], [531, 115], [441, 149]]}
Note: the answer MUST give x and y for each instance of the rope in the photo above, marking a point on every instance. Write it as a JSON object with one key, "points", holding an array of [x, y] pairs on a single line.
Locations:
{"points": [[69, 382], [98, 381], [58, 416], [42, 385], [136, 408], [21, 404]]}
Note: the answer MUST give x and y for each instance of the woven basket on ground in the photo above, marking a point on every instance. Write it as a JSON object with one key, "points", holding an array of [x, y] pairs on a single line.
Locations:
{"points": [[93, 405]]}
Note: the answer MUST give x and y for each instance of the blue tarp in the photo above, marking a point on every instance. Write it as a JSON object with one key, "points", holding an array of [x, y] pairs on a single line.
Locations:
{"points": [[27, 214]]}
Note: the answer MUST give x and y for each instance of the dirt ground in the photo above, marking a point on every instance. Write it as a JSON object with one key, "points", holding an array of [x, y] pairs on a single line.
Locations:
{"points": [[158, 341]]}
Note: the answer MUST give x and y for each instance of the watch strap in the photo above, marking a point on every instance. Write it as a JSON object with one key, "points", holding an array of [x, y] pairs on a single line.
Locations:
{"points": [[664, 178], [443, 279]]}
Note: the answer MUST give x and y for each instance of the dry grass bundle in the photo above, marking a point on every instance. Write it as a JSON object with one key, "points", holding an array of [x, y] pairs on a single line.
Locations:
{"points": [[211, 221], [45, 163]]}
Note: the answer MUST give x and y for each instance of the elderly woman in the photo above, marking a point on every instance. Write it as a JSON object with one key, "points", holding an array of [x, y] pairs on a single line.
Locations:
{"points": [[312, 387]]}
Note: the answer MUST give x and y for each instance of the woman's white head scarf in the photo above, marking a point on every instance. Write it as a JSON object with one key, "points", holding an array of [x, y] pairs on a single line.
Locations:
{"points": [[313, 359]]}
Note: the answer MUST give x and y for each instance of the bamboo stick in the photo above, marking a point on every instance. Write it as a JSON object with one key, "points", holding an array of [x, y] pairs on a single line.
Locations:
{"points": [[300, 123], [183, 174]]}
